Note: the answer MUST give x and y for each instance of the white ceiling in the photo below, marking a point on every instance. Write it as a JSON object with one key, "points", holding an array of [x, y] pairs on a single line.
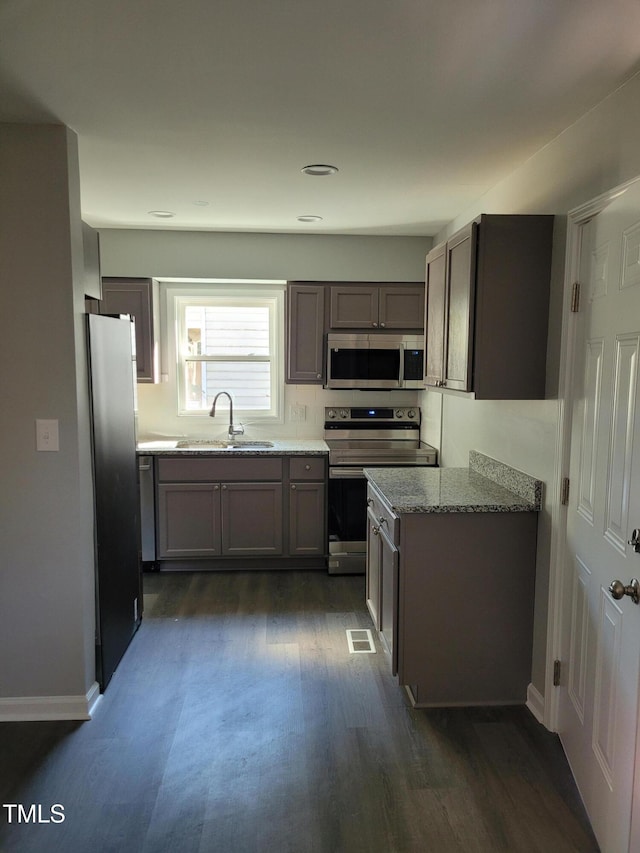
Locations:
{"points": [[422, 104]]}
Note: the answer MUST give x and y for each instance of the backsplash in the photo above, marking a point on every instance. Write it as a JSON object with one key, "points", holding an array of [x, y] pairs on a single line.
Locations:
{"points": [[157, 417], [522, 484]]}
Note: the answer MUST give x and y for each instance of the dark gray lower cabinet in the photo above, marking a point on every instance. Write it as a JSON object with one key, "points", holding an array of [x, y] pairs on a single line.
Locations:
{"points": [[382, 581], [451, 595], [219, 508], [373, 591], [188, 522], [251, 519], [389, 556], [307, 527]]}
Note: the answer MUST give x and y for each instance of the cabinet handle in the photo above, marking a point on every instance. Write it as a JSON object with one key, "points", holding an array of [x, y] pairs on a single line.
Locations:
{"points": [[382, 520], [318, 376], [224, 487], [215, 488], [369, 501], [307, 467], [382, 325], [375, 325], [375, 530], [293, 485]]}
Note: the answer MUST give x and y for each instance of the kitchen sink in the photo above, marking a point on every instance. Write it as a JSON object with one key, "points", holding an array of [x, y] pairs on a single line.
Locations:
{"points": [[219, 444], [201, 442]]}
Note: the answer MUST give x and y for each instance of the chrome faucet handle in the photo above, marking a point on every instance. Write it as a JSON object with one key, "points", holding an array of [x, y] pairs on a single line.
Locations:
{"points": [[235, 430]]}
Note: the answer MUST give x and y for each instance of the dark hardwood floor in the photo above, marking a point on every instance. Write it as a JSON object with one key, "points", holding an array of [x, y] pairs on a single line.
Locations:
{"points": [[239, 721]]}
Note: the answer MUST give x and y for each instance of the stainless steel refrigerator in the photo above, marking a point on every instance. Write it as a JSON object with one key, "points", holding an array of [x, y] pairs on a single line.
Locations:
{"points": [[118, 576]]}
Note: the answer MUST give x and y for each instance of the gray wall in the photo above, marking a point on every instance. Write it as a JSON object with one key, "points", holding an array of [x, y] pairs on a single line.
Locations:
{"points": [[46, 523], [317, 257]]}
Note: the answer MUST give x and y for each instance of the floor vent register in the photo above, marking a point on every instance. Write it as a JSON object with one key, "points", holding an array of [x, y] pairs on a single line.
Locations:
{"points": [[360, 641]]}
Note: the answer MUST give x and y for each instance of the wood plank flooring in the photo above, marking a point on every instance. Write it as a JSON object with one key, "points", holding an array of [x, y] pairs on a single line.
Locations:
{"points": [[239, 721]]}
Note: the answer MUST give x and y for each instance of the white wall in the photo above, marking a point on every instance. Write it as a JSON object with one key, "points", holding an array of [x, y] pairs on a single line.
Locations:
{"points": [[46, 523], [598, 152]]}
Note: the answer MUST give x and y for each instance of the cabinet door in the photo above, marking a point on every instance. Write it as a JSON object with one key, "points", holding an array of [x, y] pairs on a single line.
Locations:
{"points": [[461, 278], [136, 297], [401, 306], [91, 247], [389, 597], [307, 522], [251, 519], [373, 569], [436, 282], [353, 307], [305, 334], [188, 520]]}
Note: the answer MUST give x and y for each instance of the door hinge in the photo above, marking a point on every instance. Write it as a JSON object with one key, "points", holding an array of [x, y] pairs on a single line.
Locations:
{"points": [[575, 297], [556, 673], [564, 491]]}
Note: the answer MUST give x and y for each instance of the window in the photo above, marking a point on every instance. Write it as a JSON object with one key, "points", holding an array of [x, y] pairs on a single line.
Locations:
{"points": [[228, 338]]}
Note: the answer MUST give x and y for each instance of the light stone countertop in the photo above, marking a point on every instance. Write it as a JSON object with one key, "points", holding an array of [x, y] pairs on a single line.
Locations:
{"points": [[281, 447], [432, 490]]}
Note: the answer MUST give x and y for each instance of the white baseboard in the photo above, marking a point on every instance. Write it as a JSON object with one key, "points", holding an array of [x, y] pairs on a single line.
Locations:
{"points": [[40, 708], [535, 703]]}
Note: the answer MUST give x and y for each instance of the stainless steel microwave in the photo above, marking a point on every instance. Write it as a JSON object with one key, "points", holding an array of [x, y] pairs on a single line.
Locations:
{"points": [[379, 362]]}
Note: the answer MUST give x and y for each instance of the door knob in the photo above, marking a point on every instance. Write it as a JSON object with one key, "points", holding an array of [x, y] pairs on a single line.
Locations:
{"points": [[618, 590], [635, 540]]}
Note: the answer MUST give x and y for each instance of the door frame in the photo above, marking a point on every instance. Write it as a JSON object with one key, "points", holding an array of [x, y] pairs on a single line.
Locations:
{"points": [[576, 219]]}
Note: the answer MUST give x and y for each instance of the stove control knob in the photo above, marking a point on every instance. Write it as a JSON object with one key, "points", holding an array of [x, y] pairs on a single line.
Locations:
{"points": [[344, 413], [331, 414], [411, 413], [399, 413]]}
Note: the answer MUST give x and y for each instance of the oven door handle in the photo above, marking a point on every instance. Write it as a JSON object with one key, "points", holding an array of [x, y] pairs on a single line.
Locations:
{"points": [[345, 473]]}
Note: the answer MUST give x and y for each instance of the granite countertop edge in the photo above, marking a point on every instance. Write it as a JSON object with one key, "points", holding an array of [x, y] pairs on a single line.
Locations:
{"points": [[282, 447]]}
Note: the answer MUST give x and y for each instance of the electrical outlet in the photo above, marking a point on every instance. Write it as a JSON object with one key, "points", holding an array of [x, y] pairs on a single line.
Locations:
{"points": [[297, 414]]}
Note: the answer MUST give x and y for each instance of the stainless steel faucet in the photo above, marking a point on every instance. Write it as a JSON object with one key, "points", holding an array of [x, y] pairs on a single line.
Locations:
{"points": [[233, 430]]}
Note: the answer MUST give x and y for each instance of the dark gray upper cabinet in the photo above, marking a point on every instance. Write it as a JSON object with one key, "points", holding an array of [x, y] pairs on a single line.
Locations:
{"points": [[305, 330], [139, 298], [487, 308], [315, 307], [376, 306], [91, 250], [401, 306]]}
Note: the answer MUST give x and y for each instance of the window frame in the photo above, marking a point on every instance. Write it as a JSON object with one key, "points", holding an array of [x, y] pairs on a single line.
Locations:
{"points": [[179, 294]]}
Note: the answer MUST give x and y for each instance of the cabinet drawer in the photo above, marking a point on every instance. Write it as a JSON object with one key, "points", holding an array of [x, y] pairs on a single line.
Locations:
{"points": [[201, 469], [307, 468], [381, 510]]}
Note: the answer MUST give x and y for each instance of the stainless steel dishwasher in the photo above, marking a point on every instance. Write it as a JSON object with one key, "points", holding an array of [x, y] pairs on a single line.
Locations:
{"points": [[147, 509]]}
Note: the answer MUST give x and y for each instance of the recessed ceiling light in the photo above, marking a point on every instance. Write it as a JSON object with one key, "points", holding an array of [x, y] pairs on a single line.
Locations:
{"points": [[201, 203], [309, 218], [161, 214], [320, 169]]}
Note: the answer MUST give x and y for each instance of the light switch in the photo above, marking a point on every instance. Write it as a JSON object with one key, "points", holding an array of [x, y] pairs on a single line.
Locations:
{"points": [[47, 435]]}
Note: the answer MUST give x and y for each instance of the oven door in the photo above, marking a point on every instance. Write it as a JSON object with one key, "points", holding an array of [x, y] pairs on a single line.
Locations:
{"points": [[347, 520]]}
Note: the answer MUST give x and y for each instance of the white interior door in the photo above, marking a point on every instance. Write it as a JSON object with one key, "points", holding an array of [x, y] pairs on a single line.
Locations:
{"points": [[601, 635]]}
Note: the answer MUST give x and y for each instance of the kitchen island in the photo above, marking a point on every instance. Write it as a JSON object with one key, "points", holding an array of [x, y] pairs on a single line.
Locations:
{"points": [[238, 504], [450, 579]]}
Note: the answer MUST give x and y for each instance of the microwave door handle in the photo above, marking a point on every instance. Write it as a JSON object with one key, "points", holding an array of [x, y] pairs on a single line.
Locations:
{"points": [[401, 377]]}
